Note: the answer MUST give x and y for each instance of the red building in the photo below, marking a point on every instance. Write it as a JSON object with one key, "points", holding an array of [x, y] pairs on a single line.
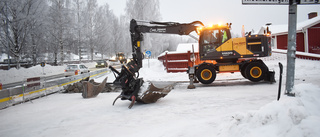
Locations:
{"points": [[308, 35]]}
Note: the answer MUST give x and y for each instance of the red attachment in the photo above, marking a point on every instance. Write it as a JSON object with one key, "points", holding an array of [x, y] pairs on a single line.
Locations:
{"points": [[0, 86], [133, 99], [179, 62]]}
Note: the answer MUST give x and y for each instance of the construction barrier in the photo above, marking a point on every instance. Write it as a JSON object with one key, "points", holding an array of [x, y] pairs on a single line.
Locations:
{"points": [[38, 86]]}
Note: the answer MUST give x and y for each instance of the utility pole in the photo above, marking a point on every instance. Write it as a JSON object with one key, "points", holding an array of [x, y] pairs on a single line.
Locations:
{"points": [[292, 46], [292, 34]]}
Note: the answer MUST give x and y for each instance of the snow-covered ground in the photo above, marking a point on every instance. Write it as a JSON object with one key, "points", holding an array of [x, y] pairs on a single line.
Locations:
{"points": [[15, 75], [231, 106]]}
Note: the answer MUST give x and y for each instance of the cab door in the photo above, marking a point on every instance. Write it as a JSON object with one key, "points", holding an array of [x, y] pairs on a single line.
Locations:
{"points": [[210, 43]]}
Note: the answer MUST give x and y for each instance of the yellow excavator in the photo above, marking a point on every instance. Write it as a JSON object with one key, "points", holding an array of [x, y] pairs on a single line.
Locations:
{"points": [[231, 55], [215, 43]]}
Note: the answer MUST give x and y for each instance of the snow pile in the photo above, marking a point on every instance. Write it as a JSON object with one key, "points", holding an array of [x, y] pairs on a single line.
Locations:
{"points": [[185, 47], [155, 71], [230, 106], [16, 75], [3, 56], [291, 116]]}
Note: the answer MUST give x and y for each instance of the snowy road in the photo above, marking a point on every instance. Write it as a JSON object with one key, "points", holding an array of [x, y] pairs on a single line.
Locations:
{"points": [[231, 106], [182, 112]]}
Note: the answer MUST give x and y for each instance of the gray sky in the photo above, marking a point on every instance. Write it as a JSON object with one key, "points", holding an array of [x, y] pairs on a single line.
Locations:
{"points": [[222, 11]]}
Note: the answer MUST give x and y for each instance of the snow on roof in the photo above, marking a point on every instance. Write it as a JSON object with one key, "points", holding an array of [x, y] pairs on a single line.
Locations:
{"points": [[278, 29], [185, 47]]}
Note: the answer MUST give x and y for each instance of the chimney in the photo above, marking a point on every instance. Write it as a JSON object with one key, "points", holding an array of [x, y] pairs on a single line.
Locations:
{"points": [[312, 15]]}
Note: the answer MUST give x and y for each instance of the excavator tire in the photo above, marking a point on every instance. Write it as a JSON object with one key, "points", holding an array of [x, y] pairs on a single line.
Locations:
{"points": [[243, 70], [256, 71], [206, 74]]}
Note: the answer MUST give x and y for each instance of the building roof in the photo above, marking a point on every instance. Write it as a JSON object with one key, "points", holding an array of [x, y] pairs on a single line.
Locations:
{"points": [[283, 29], [185, 47]]}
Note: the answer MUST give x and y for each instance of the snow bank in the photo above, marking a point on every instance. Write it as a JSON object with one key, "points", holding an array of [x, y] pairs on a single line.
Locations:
{"points": [[231, 106], [152, 70], [183, 48], [291, 116], [16, 75]]}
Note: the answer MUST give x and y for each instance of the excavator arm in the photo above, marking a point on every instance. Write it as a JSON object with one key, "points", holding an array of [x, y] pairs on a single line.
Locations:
{"points": [[137, 31], [127, 78]]}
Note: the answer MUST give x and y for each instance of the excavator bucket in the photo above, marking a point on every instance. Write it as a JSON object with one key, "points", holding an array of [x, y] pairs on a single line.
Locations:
{"points": [[91, 90], [152, 94]]}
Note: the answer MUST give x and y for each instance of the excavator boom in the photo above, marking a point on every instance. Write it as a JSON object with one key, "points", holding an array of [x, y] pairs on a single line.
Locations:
{"points": [[137, 31], [128, 78]]}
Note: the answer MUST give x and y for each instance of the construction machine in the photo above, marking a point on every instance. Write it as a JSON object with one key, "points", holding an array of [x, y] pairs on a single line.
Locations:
{"points": [[231, 55], [120, 56], [128, 78], [215, 43]]}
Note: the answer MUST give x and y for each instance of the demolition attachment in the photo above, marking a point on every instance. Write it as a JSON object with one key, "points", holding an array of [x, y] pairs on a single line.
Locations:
{"points": [[134, 88], [91, 90]]}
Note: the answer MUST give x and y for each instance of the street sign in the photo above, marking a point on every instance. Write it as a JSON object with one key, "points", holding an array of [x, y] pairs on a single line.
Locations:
{"points": [[148, 54], [277, 2], [42, 64]]}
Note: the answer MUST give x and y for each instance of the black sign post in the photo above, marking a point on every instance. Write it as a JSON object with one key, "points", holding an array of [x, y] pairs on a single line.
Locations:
{"points": [[42, 64]]}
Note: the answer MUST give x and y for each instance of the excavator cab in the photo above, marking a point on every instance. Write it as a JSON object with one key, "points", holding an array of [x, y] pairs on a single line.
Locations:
{"points": [[215, 43], [211, 39]]}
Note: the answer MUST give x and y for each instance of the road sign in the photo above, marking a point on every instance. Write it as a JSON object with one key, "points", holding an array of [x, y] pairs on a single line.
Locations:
{"points": [[148, 54], [277, 2], [42, 64]]}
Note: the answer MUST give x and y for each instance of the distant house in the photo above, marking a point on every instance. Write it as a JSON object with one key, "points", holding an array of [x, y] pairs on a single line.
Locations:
{"points": [[308, 35]]}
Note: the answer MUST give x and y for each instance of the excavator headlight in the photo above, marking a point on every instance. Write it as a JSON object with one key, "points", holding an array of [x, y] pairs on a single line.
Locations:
{"points": [[199, 29]]}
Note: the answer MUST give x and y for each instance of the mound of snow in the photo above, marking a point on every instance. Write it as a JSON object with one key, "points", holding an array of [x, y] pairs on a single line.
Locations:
{"points": [[185, 47], [291, 116], [153, 70], [16, 75]]}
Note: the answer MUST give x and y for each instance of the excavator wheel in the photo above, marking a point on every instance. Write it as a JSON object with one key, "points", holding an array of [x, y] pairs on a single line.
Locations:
{"points": [[206, 74], [243, 70], [256, 71]]}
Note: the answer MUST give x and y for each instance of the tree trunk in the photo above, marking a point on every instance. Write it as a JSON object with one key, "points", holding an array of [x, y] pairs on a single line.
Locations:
{"points": [[55, 58]]}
